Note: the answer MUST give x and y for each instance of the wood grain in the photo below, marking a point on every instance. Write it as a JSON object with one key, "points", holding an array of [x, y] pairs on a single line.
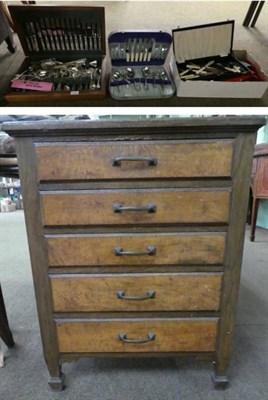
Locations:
{"points": [[170, 335], [94, 161], [75, 211], [175, 292], [174, 206], [170, 249], [235, 242]]}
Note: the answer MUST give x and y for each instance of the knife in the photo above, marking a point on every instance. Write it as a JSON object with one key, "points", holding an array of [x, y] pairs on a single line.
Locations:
{"points": [[142, 46], [89, 35], [75, 36], [44, 32], [84, 31], [70, 35], [137, 50], [55, 33], [28, 37], [50, 34], [133, 44], [150, 49], [60, 34], [94, 34], [40, 36], [99, 37], [128, 50], [34, 36], [65, 35], [81, 42]]}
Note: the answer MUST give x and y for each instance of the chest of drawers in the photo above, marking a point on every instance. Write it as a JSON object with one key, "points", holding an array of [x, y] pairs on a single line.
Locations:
{"points": [[136, 234]]}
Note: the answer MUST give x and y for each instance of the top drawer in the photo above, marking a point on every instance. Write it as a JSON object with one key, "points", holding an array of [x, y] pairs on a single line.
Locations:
{"points": [[134, 160]]}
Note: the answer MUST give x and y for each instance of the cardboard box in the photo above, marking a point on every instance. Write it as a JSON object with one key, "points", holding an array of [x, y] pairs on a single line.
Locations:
{"points": [[222, 34]]}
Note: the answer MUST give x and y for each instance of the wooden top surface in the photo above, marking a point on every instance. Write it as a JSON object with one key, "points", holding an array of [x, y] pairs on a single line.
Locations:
{"points": [[261, 150], [88, 127]]}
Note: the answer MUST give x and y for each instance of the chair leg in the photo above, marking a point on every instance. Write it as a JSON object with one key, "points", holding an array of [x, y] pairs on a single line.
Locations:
{"points": [[250, 205], [5, 332], [255, 207], [256, 16], [249, 15]]}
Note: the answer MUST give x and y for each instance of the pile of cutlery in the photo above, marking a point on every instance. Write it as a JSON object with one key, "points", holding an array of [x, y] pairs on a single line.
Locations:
{"points": [[138, 50], [62, 34], [78, 75], [212, 70]]}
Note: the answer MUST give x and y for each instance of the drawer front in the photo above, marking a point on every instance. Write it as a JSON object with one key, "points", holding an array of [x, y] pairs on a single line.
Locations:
{"points": [[136, 249], [133, 292], [160, 335], [172, 159], [165, 206]]}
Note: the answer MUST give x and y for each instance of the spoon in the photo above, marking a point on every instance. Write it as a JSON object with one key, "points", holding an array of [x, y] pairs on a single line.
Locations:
{"points": [[146, 73], [116, 77], [163, 78], [131, 74]]}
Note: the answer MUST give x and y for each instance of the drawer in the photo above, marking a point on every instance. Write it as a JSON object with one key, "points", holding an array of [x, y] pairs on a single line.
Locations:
{"points": [[158, 335], [116, 207], [141, 160], [136, 249], [134, 292]]}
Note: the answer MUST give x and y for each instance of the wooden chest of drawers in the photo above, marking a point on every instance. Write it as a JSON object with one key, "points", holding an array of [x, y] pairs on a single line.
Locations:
{"points": [[136, 235]]}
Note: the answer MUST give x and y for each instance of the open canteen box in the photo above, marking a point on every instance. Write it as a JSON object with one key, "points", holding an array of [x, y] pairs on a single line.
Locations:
{"points": [[64, 49], [205, 64], [139, 68]]}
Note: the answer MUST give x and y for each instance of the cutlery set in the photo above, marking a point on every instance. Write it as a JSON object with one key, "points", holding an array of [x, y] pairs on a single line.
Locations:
{"points": [[136, 82], [65, 53], [138, 61], [62, 34], [139, 50]]}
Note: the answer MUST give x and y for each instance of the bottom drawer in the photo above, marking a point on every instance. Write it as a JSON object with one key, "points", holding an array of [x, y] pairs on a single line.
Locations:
{"points": [[139, 335]]}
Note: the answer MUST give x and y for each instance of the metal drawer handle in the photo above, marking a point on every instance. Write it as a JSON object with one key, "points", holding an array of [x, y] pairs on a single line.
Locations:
{"points": [[123, 337], [150, 251], [150, 208], [121, 295], [117, 160]]}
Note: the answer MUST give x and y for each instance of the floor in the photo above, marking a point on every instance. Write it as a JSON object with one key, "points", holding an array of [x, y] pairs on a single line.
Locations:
{"points": [[24, 376], [168, 15]]}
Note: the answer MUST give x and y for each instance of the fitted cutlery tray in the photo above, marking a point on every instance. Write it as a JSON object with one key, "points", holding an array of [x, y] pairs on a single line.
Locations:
{"points": [[138, 61], [64, 53]]}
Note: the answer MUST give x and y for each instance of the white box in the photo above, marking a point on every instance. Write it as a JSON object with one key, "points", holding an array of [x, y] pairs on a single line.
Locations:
{"points": [[191, 43], [7, 205]]}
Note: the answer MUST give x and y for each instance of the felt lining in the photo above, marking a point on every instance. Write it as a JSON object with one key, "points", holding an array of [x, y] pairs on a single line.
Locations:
{"points": [[203, 41]]}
